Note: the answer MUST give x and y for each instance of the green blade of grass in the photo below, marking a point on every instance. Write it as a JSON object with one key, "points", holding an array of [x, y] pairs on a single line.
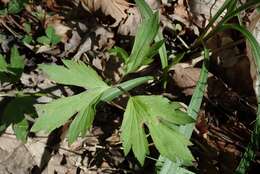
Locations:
{"points": [[230, 15], [232, 12], [213, 20], [193, 110], [253, 145]]}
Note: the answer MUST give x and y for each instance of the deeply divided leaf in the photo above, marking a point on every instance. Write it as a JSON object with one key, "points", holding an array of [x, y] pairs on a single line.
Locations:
{"points": [[75, 73], [142, 45], [152, 111], [133, 135], [163, 109], [81, 123], [54, 114], [146, 13]]}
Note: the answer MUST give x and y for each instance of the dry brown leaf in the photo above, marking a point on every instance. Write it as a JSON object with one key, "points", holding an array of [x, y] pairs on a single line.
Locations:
{"points": [[72, 44], [52, 5], [5, 1], [154, 4], [186, 78], [129, 26], [203, 10], [181, 10], [114, 8]]}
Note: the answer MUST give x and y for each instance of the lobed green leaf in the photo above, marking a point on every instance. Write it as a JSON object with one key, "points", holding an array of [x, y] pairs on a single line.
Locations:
{"points": [[16, 60], [51, 34], [193, 110], [44, 40], [133, 135], [147, 12], [142, 44], [54, 114], [149, 111], [81, 123], [75, 73], [162, 108]]}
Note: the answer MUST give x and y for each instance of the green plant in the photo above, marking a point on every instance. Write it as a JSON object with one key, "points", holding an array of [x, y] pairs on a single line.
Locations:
{"points": [[156, 113], [146, 116], [50, 38], [13, 7], [12, 71], [79, 74], [27, 39]]}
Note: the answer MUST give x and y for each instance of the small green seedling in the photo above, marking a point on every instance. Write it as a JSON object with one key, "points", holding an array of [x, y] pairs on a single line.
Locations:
{"points": [[11, 72], [50, 39], [13, 7], [27, 39]]}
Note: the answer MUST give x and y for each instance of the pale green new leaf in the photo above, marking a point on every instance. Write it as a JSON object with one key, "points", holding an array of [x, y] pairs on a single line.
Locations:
{"points": [[75, 73], [56, 113], [81, 123], [142, 45]]}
